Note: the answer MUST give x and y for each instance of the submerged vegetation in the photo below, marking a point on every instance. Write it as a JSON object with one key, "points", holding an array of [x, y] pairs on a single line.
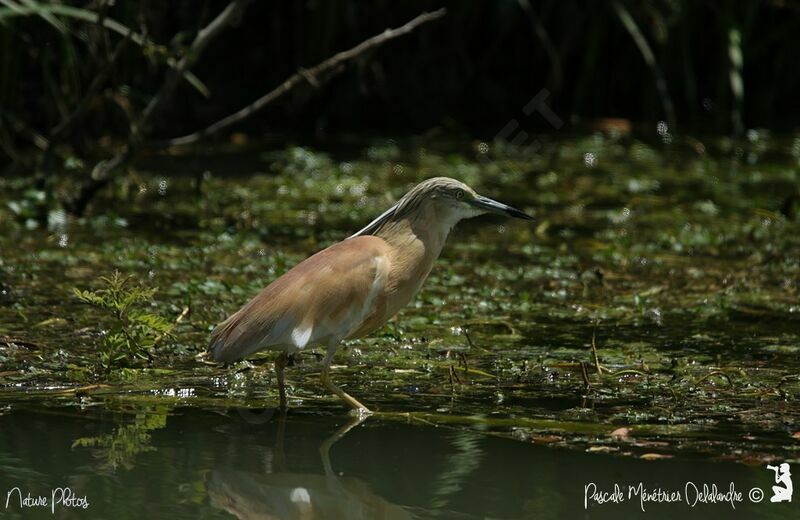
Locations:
{"points": [[677, 261], [129, 439]]}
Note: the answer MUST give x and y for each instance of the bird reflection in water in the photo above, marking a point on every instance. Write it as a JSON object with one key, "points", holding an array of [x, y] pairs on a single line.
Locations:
{"points": [[287, 495]]}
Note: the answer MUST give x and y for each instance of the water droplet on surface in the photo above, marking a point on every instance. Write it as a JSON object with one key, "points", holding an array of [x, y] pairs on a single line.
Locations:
{"points": [[700, 148], [621, 217], [656, 316], [300, 496]]}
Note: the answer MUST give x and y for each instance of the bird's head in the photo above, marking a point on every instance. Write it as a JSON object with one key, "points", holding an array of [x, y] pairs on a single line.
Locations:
{"points": [[450, 201], [454, 197]]}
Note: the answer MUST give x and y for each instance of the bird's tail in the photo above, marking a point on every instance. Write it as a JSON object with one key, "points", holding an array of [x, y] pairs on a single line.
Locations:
{"points": [[219, 340]]}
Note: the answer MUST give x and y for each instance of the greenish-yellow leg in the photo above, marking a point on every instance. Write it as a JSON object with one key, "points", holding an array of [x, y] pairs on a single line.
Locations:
{"points": [[280, 365], [344, 396]]}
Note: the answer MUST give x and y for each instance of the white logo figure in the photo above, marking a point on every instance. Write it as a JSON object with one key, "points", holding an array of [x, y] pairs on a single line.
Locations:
{"points": [[782, 476]]}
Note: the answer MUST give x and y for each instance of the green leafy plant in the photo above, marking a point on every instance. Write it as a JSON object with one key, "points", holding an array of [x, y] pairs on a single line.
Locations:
{"points": [[136, 332]]}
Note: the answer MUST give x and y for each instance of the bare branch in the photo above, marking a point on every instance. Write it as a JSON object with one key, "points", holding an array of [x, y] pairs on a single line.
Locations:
{"points": [[76, 203], [205, 36], [94, 87], [647, 54], [21, 128], [315, 76], [102, 172]]}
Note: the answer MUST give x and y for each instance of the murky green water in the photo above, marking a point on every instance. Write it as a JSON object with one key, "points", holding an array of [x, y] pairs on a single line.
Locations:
{"points": [[679, 261], [253, 464]]}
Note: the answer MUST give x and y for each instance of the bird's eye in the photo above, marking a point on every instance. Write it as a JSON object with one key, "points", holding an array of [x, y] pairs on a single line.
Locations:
{"points": [[459, 194]]}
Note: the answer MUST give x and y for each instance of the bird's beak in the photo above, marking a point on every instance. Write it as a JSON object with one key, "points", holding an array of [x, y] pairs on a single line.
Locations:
{"points": [[487, 204]]}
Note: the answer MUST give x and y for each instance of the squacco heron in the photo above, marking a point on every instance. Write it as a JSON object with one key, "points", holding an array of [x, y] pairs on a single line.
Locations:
{"points": [[353, 287]]}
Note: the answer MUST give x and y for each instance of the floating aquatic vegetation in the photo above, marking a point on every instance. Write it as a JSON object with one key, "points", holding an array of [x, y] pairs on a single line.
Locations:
{"points": [[682, 269]]}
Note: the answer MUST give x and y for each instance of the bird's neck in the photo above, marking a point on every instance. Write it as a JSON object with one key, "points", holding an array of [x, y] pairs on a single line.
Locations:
{"points": [[423, 232], [415, 242]]}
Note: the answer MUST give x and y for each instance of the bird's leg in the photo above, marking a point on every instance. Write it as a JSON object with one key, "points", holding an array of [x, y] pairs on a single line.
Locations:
{"points": [[344, 396], [325, 447], [280, 365]]}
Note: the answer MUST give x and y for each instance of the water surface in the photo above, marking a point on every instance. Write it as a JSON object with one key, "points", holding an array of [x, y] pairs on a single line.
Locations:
{"points": [[255, 464]]}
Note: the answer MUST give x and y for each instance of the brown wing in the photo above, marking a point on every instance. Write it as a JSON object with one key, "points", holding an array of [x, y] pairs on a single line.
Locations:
{"points": [[321, 299]]}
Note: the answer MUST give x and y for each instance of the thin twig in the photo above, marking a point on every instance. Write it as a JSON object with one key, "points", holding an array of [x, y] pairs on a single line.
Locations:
{"points": [[104, 21], [321, 73], [82, 389], [101, 173], [715, 373], [462, 359], [204, 37], [68, 122], [597, 364], [787, 379], [453, 376], [471, 344], [94, 87], [316, 75], [182, 315], [585, 375], [649, 58], [179, 319], [628, 372], [21, 128]]}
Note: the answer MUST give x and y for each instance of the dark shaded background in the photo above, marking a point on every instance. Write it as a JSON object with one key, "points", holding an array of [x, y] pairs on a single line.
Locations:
{"points": [[471, 71]]}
